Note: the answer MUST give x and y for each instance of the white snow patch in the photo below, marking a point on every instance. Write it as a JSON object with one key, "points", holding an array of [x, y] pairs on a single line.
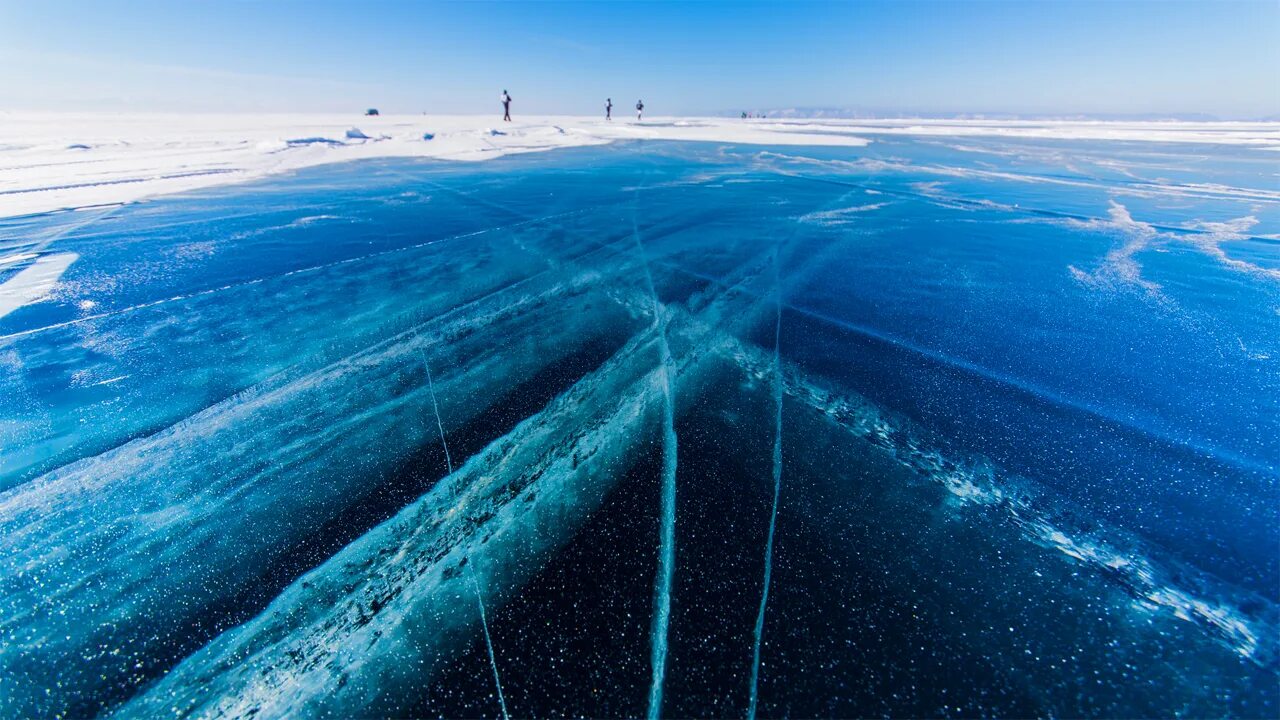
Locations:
{"points": [[12, 259], [1211, 236], [842, 216], [34, 282], [1120, 266]]}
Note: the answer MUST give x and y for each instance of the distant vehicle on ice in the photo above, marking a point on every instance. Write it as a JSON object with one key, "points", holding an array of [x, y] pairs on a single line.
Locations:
{"points": [[371, 111]]}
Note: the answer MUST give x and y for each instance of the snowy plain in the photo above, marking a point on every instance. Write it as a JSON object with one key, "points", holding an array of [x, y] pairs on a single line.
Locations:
{"points": [[52, 162]]}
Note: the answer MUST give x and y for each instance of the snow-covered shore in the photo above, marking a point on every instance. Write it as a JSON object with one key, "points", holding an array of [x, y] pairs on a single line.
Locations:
{"points": [[60, 161]]}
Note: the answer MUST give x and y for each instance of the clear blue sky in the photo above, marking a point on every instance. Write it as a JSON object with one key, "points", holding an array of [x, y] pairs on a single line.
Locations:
{"points": [[1218, 57]]}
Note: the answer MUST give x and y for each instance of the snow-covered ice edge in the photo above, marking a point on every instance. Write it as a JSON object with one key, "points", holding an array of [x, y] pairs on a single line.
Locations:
{"points": [[54, 162], [59, 161]]}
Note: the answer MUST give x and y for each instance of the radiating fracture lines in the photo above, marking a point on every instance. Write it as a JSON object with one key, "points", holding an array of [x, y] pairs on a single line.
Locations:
{"points": [[488, 642], [667, 528], [777, 488], [405, 560]]}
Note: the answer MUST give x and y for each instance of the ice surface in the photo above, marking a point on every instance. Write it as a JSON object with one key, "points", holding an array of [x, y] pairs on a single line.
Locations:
{"points": [[963, 428]]}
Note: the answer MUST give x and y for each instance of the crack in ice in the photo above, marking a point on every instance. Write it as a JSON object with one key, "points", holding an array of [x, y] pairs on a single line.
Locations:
{"points": [[667, 530], [777, 491], [488, 642], [435, 405]]}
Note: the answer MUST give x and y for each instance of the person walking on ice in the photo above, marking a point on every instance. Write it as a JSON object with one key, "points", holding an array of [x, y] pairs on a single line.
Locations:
{"points": [[639, 110], [506, 107], [608, 109]]}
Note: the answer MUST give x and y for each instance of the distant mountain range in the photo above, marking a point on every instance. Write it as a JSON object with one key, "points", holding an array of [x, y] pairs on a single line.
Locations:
{"points": [[856, 114]]}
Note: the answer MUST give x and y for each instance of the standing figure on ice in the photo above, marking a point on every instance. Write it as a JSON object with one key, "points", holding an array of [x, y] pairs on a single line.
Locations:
{"points": [[608, 109], [639, 109], [506, 107]]}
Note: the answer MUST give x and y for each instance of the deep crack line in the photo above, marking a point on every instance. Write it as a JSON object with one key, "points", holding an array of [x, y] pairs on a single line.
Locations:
{"points": [[777, 490], [488, 642], [667, 530]]}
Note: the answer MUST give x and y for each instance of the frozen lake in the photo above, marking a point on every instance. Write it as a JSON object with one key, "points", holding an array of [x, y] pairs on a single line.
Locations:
{"points": [[270, 448]]}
